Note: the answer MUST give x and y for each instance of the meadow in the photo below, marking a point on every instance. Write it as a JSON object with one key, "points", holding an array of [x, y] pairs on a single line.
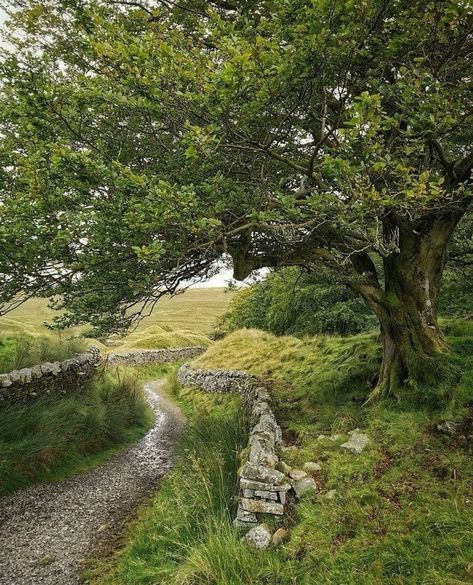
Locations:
{"points": [[195, 310]]}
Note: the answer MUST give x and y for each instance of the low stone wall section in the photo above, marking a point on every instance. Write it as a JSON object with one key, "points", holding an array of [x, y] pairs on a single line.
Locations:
{"points": [[262, 488], [141, 357], [48, 379]]}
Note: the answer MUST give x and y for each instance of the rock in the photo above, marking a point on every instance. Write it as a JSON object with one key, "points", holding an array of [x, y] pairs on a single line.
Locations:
{"points": [[322, 437], [258, 485], [297, 474], [243, 518], [267, 423], [263, 474], [258, 537], [279, 536], [5, 380], [259, 409], [262, 395], [311, 466], [262, 507], [265, 438], [449, 427], [262, 494], [283, 467], [356, 443], [330, 495], [304, 486], [36, 372], [262, 454]]}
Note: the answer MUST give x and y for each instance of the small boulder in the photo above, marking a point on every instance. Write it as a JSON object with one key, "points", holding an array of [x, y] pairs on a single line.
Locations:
{"points": [[304, 486], [356, 443], [283, 467], [311, 466], [279, 536], [258, 537], [297, 474], [261, 473], [448, 427], [330, 495]]}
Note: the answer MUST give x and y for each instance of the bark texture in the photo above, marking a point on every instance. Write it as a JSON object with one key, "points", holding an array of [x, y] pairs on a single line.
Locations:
{"points": [[407, 305]]}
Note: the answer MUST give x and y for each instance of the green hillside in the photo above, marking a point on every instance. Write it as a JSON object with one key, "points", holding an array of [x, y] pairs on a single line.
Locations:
{"points": [[398, 514]]}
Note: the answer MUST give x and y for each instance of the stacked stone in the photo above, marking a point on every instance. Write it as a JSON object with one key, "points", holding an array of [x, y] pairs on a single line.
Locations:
{"points": [[262, 488], [216, 381], [22, 386], [154, 356]]}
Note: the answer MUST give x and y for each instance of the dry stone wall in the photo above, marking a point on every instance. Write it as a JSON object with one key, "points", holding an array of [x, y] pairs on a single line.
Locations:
{"points": [[143, 357], [262, 488], [48, 379]]}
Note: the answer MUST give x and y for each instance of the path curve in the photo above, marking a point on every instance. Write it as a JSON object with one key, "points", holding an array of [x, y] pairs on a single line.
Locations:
{"points": [[46, 531]]}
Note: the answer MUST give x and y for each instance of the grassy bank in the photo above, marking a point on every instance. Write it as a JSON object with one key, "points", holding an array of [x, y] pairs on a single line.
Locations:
{"points": [[401, 513], [156, 336], [50, 439], [185, 534], [22, 350]]}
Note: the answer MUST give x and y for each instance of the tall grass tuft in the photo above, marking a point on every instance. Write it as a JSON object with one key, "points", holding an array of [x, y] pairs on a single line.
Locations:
{"points": [[20, 351], [49, 439]]}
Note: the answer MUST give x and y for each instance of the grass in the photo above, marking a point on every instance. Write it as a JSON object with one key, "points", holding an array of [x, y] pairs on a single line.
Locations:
{"points": [[402, 512], [196, 310], [189, 523], [22, 350], [50, 439], [156, 336]]}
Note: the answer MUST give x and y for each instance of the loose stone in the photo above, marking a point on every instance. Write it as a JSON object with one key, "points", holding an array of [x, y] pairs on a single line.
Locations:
{"points": [[297, 474], [279, 536], [258, 537], [283, 467], [304, 486], [311, 466], [356, 443]]}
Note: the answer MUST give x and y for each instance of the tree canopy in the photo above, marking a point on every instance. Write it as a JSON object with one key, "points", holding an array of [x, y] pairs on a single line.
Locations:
{"points": [[142, 141]]}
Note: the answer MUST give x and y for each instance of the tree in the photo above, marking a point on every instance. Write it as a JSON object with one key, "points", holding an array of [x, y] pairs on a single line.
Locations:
{"points": [[144, 140], [292, 302]]}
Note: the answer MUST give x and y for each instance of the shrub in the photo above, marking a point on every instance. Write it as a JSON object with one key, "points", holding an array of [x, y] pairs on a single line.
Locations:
{"points": [[289, 301]]}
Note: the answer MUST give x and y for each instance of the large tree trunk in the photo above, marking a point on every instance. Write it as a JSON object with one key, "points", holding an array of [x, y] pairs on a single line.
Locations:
{"points": [[413, 345]]}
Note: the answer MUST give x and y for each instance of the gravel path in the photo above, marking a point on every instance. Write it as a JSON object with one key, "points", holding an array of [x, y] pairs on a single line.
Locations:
{"points": [[46, 531]]}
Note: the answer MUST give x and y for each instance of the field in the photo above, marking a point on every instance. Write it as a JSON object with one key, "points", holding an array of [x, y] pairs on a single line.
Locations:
{"points": [[196, 310]]}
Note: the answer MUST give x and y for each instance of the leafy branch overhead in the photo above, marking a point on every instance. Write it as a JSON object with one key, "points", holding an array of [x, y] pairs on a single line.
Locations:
{"points": [[143, 141]]}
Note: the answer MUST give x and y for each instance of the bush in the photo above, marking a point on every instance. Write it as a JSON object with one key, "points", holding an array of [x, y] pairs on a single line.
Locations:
{"points": [[293, 302], [51, 438]]}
